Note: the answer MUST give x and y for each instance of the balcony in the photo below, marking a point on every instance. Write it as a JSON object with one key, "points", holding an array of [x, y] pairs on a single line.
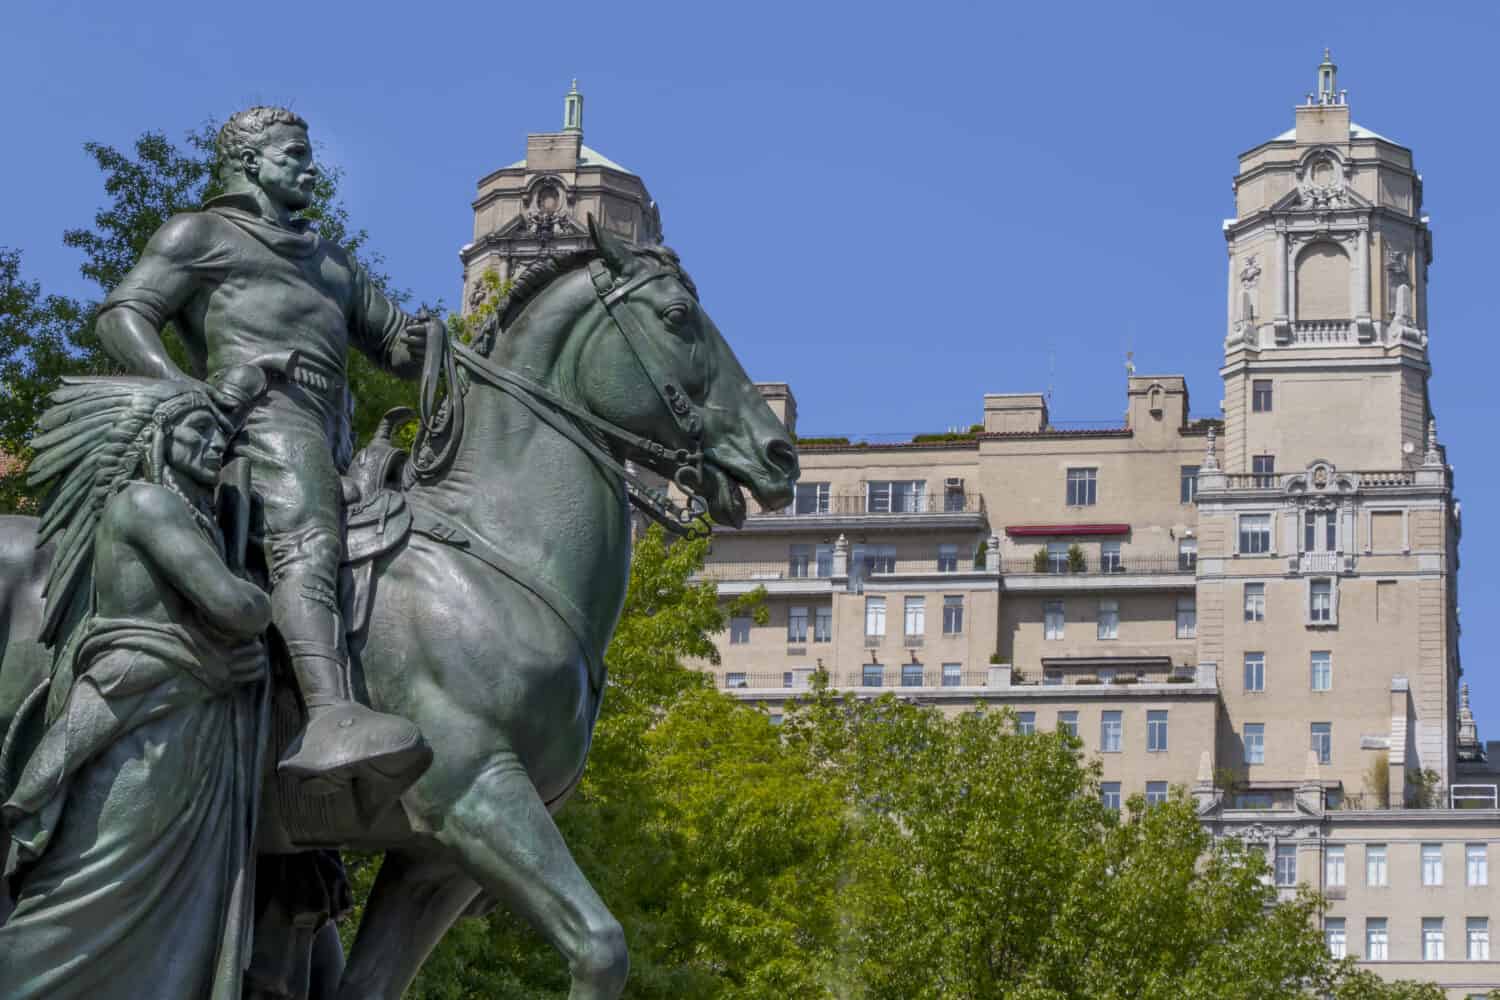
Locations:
{"points": [[1365, 480], [784, 576], [862, 510], [1128, 571], [995, 682], [1322, 332]]}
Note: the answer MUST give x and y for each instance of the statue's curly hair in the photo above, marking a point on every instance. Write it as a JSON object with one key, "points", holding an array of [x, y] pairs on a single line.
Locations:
{"points": [[244, 129]]}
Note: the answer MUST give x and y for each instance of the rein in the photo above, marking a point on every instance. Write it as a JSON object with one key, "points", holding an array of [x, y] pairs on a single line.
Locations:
{"points": [[565, 416]]}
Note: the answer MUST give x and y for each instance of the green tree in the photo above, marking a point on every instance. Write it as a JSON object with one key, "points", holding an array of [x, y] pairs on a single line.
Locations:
{"points": [[47, 336]]}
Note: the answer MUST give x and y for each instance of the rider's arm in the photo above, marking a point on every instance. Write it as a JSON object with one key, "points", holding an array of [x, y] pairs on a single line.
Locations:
{"points": [[172, 268], [378, 327], [160, 528]]}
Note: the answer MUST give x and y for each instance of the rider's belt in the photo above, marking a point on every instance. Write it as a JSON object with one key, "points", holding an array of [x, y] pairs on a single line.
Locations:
{"points": [[314, 376]]}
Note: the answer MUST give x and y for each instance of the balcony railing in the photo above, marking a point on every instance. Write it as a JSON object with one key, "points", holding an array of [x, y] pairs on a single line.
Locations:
{"points": [[851, 504], [909, 677], [1275, 481], [1093, 565], [1317, 332], [1319, 562], [738, 570]]}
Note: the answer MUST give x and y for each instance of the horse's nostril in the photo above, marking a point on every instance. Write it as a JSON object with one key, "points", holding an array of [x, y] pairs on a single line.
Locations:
{"points": [[783, 457]]}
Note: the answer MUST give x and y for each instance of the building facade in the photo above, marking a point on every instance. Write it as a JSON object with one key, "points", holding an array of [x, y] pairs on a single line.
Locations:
{"points": [[1259, 607]]}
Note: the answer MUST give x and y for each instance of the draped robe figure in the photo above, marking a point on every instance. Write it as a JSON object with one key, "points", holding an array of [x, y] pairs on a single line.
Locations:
{"points": [[132, 816]]}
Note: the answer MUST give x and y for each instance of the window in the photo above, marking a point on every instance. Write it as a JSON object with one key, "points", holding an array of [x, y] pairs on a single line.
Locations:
{"points": [[1187, 554], [953, 614], [812, 498], [1188, 484], [911, 675], [1026, 723], [1052, 615], [1333, 931], [1320, 531], [1082, 487], [1320, 601], [1477, 931], [874, 617], [947, 560], [1255, 534], [739, 631], [1333, 865], [736, 679], [1322, 670], [1187, 617], [905, 496], [1260, 395], [1109, 558], [1057, 557], [953, 675], [1432, 939], [787, 677], [915, 617], [799, 561], [1051, 678], [1477, 864], [1286, 864], [1375, 939], [1111, 729], [872, 676], [796, 625], [823, 625], [1156, 730], [1106, 675], [1255, 743], [1375, 874], [1109, 619], [1067, 722], [1432, 864], [1109, 794], [824, 556], [1156, 793], [1255, 671], [1264, 467], [1255, 602], [1322, 741], [876, 558]]}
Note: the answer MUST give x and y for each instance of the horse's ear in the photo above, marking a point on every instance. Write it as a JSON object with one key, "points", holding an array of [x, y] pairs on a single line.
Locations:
{"points": [[613, 249]]}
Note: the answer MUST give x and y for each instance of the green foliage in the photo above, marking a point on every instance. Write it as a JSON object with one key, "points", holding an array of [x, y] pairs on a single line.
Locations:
{"points": [[44, 337], [1039, 561], [815, 441], [1075, 558], [1424, 789], [1378, 781], [980, 553], [878, 850]]}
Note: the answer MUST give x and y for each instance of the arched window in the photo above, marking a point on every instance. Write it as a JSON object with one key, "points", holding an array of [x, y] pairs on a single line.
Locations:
{"points": [[1323, 283]]}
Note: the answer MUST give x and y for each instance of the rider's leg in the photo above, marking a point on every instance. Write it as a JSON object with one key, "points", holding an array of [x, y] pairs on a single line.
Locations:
{"points": [[292, 471]]}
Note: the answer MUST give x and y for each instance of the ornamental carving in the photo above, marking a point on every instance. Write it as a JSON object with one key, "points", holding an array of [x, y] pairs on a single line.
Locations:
{"points": [[1321, 181]]}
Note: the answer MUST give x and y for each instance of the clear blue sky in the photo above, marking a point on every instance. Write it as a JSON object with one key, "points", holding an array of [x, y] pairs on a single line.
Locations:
{"points": [[894, 207]]}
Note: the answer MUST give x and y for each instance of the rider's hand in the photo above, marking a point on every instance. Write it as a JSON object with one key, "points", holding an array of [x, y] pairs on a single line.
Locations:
{"points": [[414, 337]]}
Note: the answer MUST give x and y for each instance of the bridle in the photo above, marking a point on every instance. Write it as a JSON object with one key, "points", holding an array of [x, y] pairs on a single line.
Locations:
{"points": [[565, 416]]}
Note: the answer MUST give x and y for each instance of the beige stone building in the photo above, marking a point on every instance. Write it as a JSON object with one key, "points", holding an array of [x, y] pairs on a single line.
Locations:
{"points": [[1258, 607]]}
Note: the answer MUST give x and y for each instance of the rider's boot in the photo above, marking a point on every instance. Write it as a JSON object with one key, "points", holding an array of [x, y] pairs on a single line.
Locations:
{"points": [[343, 740]]}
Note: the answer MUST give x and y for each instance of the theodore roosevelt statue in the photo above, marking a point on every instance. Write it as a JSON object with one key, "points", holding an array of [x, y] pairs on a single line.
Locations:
{"points": [[242, 280]]}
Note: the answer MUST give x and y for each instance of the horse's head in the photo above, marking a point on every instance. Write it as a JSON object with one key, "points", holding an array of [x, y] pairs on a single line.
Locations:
{"points": [[657, 366]]}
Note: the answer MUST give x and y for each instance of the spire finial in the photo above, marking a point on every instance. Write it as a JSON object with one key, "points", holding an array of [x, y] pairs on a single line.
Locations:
{"points": [[573, 109], [1328, 80], [1433, 455], [1210, 459]]}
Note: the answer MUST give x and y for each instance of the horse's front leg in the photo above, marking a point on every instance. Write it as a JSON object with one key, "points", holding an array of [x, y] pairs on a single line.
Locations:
{"points": [[508, 843], [411, 906]]}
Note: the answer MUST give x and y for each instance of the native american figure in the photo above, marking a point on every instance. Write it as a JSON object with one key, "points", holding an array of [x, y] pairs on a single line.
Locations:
{"points": [[132, 813]]}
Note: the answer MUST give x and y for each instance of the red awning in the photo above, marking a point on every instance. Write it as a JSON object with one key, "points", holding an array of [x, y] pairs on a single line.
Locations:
{"points": [[1041, 530]]}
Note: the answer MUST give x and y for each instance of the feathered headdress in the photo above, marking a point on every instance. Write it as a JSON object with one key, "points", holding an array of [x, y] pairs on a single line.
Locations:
{"points": [[96, 436]]}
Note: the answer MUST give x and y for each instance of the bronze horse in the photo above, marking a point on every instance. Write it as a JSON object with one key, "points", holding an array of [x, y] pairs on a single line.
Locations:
{"points": [[488, 627]]}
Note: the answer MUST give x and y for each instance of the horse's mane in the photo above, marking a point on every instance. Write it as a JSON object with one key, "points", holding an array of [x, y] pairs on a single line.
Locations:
{"points": [[538, 275]]}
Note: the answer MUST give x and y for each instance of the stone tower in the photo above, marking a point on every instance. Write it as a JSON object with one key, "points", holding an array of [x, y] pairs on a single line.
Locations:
{"points": [[1328, 544], [1327, 303], [539, 206]]}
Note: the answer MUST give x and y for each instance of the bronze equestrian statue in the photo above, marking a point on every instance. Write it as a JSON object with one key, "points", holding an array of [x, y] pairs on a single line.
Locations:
{"points": [[481, 580]]}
